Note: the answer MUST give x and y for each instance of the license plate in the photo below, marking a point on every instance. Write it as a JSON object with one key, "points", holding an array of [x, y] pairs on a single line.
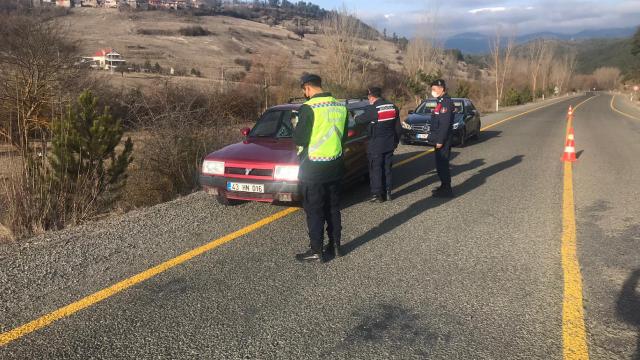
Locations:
{"points": [[422, 136], [253, 188]]}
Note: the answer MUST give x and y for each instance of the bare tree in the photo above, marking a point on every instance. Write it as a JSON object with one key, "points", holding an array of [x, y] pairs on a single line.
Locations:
{"points": [[537, 52], [563, 70], [501, 63], [607, 77], [546, 65], [340, 30], [37, 71]]}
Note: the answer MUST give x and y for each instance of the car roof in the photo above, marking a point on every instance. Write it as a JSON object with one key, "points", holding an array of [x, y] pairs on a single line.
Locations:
{"points": [[351, 104], [453, 99]]}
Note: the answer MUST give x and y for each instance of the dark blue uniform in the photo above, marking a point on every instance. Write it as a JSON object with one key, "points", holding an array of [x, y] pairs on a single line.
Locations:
{"points": [[384, 134], [441, 133]]}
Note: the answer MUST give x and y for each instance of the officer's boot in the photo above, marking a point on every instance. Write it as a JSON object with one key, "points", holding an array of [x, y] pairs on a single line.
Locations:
{"points": [[444, 191], [334, 248], [337, 249]]}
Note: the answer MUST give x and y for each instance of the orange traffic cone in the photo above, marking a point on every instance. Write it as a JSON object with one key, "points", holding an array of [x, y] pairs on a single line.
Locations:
{"points": [[570, 112], [570, 147]]}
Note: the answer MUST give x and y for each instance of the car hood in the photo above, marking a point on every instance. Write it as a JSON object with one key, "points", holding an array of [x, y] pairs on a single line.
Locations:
{"points": [[419, 119], [280, 151]]}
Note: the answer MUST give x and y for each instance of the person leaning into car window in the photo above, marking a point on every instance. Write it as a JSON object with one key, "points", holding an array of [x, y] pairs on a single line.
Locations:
{"points": [[384, 135], [441, 135], [320, 134]]}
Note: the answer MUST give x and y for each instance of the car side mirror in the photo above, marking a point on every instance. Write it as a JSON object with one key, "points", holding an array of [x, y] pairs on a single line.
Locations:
{"points": [[411, 112], [245, 131]]}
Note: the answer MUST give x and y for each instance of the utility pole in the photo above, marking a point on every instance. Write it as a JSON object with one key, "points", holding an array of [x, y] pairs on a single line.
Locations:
{"points": [[222, 79]]}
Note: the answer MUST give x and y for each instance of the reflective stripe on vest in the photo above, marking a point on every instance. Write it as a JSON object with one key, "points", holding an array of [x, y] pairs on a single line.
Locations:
{"points": [[329, 117]]}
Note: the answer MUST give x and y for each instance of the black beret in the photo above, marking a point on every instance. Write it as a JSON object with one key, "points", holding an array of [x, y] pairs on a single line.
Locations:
{"points": [[310, 78], [440, 83], [375, 91]]}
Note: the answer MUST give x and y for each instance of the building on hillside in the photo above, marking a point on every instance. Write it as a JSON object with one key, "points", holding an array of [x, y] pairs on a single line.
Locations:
{"points": [[111, 3], [138, 4], [106, 59]]}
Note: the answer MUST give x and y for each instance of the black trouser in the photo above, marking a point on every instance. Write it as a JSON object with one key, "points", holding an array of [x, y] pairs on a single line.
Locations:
{"points": [[442, 164], [380, 173], [321, 202]]}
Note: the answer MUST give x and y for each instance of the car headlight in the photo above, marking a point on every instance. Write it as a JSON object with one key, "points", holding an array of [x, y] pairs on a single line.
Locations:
{"points": [[286, 172], [455, 126], [405, 125], [213, 167]]}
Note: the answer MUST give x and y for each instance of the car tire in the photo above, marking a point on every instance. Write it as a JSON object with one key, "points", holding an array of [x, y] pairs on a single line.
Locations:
{"points": [[405, 142], [222, 200]]}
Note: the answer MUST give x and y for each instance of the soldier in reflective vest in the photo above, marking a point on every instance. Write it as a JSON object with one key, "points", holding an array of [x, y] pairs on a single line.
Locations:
{"points": [[384, 135], [320, 134]]}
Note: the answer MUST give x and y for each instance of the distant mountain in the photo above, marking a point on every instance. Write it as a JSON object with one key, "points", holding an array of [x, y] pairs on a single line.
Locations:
{"points": [[476, 43]]}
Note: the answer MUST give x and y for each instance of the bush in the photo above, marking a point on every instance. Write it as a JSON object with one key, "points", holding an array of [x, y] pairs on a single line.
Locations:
{"points": [[194, 31], [463, 90], [86, 169], [83, 175], [244, 62], [512, 98], [237, 76], [157, 32]]}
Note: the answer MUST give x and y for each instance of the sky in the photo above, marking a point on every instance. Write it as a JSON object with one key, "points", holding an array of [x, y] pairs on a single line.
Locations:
{"points": [[415, 17]]}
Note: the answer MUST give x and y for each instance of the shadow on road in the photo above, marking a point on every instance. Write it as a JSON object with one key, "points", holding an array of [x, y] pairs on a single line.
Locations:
{"points": [[628, 305], [428, 203]]}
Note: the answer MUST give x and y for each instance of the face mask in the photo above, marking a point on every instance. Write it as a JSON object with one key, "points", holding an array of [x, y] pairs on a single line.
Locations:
{"points": [[434, 94]]}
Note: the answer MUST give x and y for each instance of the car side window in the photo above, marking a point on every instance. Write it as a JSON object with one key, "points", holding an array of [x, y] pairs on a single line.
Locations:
{"points": [[286, 129], [470, 106], [352, 117]]}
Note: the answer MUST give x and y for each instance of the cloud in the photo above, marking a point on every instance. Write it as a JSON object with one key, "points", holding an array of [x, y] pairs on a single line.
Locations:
{"points": [[490, 9], [410, 18]]}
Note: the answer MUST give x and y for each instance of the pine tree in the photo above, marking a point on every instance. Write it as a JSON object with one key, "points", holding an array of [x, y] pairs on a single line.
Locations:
{"points": [[84, 152]]}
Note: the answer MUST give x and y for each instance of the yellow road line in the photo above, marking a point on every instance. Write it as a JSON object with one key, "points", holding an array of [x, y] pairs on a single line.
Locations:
{"points": [[574, 336], [620, 112], [11, 335], [574, 339], [94, 298]]}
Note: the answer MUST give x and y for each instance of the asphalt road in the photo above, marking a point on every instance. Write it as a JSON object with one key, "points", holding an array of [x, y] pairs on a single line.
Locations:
{"points": [[476, 277]]}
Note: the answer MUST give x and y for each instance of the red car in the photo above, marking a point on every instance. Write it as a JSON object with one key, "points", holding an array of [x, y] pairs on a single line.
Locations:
{"points": [[264, 167]]}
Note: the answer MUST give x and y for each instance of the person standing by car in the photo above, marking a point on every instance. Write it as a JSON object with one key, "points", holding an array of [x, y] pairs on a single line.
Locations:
{"points": [[384, 135], [320, 134], [441, 136]]}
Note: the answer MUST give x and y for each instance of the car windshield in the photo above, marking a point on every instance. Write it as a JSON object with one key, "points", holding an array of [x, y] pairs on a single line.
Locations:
{"points": [[275, 124], [427, 107]]}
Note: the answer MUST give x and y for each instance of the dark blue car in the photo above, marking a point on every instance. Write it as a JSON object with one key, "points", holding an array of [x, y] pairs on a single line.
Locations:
{"points": [[466, 123]]}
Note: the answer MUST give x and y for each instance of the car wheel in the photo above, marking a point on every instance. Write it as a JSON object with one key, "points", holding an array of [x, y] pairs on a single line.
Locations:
{"points": [[222, 200], [405, 142]]}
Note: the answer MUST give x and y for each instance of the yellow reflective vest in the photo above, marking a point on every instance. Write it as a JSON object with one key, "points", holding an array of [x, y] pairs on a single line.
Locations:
{"points": [[329, 117]]}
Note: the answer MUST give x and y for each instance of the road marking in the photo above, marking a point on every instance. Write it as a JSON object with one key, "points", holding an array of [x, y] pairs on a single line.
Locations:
{"points": [[620, 112], [574, 338], [573, 329], [103, 294], [68, 310]]}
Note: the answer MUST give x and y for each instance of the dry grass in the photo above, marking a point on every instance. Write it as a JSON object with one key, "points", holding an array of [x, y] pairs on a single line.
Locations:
{"points": [[231, 39]]}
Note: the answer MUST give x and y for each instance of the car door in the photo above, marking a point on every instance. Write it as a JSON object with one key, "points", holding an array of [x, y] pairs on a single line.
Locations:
{"points": [[355, 153], [475, 116]]}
